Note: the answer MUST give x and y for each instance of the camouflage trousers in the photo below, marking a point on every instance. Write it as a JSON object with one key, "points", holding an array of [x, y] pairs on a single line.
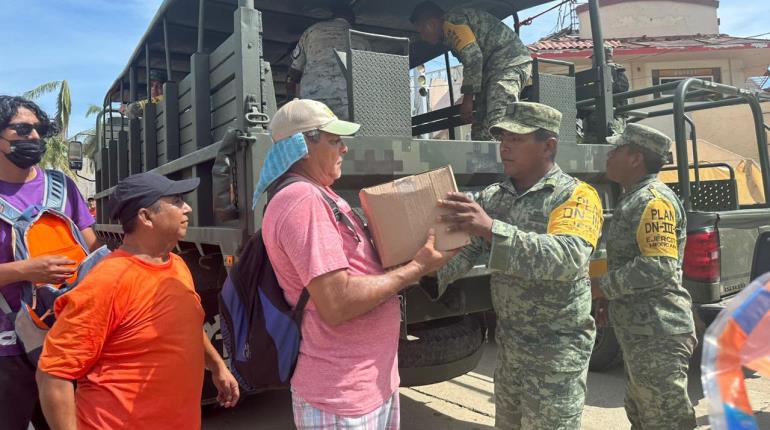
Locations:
{"points": [[656, 380], [337, 105], [532, 397], [498, 91], [332, 92]]}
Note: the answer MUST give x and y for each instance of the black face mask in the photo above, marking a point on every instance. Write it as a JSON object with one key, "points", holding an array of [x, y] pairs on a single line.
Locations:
{"points": [[26, 153]]}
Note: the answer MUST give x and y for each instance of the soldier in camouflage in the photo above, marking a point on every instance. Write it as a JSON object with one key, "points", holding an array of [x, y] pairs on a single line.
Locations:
{"points": [[617, 123], [135, 110], [648, 307], [496, 64], [314, 66], [539, 227]]}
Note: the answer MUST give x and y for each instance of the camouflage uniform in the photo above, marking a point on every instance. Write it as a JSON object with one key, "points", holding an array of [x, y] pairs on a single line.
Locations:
{"points": [[496, 64], [618, 122], [322, 78], [649, 309], [542, 240], [135, 110]]}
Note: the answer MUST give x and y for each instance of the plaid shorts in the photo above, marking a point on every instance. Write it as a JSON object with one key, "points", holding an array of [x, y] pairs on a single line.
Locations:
{"points": [[308, 417]]}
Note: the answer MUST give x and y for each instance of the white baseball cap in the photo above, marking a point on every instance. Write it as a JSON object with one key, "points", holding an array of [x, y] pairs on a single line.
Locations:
{"points": [[300, 115]]}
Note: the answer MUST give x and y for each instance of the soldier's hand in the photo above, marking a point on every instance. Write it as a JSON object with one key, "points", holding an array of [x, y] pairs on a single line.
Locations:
{"points": [[49, 269], [466, 108], [466, 215], [601, 312], [429, 258]]}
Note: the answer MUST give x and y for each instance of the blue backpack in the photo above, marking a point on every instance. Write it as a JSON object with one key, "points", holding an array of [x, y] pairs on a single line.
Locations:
{"points": [[260, 330], [54, 234]]}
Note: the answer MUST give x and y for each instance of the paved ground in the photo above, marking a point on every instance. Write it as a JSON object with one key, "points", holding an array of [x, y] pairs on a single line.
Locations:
{"points": [[466, 403]]}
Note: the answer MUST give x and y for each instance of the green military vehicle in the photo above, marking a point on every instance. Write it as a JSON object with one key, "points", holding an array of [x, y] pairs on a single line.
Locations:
{"points": [[226, 63]]}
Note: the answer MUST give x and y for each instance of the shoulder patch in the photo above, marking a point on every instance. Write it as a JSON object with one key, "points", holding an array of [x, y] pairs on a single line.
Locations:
{"points": [[458, 35], [581, 215], [656, 232]]}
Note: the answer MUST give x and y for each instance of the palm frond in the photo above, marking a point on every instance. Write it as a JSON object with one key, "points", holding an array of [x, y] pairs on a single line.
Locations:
{"points": [[56, 155], [41, 90], [89, 146], [93, 110], [64, 107]]}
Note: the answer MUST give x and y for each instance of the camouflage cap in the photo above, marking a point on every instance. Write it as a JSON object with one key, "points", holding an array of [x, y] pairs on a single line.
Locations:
{"points": [[157, 75], [643, 136], [527, 117]]}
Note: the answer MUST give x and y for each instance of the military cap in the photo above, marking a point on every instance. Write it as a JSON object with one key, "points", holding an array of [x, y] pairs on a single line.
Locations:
{"points": [[527, 117], [643, 136], [157, 75]]}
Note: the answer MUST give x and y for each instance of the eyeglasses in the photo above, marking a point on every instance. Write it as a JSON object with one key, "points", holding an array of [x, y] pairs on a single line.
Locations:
{"points": [[25, 129]]}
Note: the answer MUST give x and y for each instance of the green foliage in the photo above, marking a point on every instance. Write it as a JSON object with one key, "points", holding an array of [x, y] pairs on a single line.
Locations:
{"points": [[93, 110], [57, 145], [56, 154]]}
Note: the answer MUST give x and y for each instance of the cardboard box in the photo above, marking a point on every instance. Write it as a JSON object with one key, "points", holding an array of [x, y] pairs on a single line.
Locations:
{"points": [[401, 212]]}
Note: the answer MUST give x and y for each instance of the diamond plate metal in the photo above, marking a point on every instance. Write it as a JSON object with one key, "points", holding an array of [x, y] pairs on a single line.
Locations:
{"points": [[559, 93], [380, 97]]}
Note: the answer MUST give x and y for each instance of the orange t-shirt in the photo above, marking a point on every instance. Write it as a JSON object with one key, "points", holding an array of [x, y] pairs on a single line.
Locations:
{"points": [[131, 334]]}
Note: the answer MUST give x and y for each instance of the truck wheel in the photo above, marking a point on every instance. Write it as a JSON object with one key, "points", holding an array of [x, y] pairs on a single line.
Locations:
{"points": [[440, 350], [606, 353]]}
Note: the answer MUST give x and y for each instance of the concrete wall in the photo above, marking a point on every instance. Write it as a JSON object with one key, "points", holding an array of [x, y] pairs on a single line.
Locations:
{"points": [[729, 128], [640, 72], [652, 18]]}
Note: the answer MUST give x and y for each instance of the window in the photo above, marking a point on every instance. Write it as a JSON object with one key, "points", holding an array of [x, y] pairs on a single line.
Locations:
{"points": [[664, 76]]}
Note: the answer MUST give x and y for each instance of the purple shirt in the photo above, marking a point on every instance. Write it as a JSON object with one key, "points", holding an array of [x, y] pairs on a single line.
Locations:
{"points": [[22, 196]]}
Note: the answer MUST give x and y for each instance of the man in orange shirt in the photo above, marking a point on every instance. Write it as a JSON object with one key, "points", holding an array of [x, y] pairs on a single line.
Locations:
{"points": [[131, 333]]}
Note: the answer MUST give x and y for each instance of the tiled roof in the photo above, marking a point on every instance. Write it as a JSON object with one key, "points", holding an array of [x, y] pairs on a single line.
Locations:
{"points": [[721, 41]]}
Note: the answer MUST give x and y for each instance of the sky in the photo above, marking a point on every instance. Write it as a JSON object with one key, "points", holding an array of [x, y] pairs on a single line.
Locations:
{"points": [[88, 42]]}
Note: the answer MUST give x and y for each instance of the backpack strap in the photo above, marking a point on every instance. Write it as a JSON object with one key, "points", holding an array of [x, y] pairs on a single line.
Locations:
{"points": [[338, 215], [300, 307], [8, 213], [54, 197], [6, 308], [55, 194]]}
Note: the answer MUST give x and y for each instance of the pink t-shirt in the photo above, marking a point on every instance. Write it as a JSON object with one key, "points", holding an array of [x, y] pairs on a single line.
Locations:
{"points": [[350, 369]]}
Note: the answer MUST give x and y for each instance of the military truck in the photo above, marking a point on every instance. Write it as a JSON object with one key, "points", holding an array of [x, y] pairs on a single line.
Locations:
{"points": [[226, 63]]}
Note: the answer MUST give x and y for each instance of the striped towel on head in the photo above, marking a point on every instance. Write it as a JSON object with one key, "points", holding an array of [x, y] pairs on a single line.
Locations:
{"points": [[281, 156]]}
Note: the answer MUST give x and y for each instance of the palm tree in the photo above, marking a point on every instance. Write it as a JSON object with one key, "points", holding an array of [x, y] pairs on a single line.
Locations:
{"points": [[89, 143], [56, 154], [63, 101]]}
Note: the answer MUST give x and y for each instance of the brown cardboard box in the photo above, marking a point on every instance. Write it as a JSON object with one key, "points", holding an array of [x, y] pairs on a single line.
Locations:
{"points": [[401, 212]]}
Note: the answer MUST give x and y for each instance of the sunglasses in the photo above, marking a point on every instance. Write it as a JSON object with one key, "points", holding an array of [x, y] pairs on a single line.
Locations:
{"points": [[25, 129]]}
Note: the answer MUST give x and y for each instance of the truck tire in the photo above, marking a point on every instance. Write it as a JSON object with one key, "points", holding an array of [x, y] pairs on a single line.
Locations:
{"points": [[440, 350], [606, 353]]}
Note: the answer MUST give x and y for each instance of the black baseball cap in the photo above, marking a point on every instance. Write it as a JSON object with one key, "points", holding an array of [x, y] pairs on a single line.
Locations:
{"points": [[142, 190]]}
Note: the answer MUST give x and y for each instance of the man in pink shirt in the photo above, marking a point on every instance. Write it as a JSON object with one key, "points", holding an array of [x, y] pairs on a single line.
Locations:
{"points": [[347, 371]]}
